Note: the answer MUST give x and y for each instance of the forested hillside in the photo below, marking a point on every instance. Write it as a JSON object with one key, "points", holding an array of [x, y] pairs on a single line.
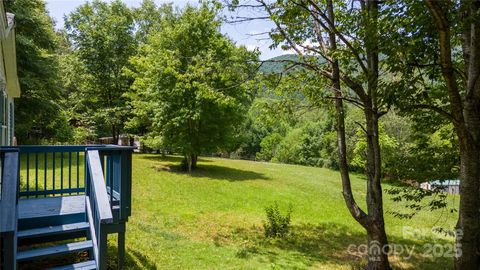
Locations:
{"points": [[278, 64]]}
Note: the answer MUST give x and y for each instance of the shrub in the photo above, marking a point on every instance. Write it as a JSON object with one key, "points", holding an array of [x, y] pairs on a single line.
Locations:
{"points": [[269, 146], [277, 224], [81, 135]]}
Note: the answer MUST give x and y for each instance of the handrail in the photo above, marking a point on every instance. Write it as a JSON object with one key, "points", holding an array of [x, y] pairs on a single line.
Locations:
{"points": [[118, 176], [8, 207], [98, 188], [98, 207], [92, 231], [8, 201], [55, 148], [66, 148]]}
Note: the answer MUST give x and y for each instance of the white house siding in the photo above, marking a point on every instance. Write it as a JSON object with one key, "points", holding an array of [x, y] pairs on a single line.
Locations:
{"points": [[449, 186], [9, 85]]}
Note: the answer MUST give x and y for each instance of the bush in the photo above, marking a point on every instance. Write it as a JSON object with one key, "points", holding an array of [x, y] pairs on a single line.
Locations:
{"points": [[81, 135], [269, 146], [277, 224]]}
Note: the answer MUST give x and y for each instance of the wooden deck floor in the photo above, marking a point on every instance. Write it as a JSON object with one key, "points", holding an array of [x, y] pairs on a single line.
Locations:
{"points": [[51, 206]]}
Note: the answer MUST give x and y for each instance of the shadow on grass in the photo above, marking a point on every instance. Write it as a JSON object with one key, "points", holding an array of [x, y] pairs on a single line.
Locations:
{"points": [[168, 158], [133, 259], [331, 244], [172, 164], [225, 173]]}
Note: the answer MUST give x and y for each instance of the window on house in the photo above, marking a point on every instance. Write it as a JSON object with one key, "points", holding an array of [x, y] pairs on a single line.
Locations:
{"points": [[4, 140], [2, 118], [11, 125]]}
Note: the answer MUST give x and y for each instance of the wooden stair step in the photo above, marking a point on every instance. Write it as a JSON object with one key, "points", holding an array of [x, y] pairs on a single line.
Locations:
{"points": [[51, 207], [55, 250], [88, 265], [53, 230]]}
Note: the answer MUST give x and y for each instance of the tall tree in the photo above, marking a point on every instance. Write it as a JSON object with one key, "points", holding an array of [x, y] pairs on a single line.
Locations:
{"points": [[148, 18], [348, 38], [102, 35], [38, 115], [436, 55], [190, 84]]}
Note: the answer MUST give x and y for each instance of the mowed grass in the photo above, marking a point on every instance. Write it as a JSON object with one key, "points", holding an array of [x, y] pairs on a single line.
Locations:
{"points": [[212, 219], [51, 171]]}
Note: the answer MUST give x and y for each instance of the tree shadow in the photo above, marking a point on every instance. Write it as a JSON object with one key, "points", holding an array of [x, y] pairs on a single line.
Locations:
{"points": [[332, 244], [206, 171], [133, 259], [169, 158], [225, 173]]}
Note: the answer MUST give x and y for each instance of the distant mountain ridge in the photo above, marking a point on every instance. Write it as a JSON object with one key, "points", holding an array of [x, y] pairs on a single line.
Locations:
{"points": [[275, 64], [279, 64]]}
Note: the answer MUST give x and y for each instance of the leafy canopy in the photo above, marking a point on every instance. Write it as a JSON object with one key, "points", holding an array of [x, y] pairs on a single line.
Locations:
{"points": [[38, 114], [192, 83], [102, 36]]}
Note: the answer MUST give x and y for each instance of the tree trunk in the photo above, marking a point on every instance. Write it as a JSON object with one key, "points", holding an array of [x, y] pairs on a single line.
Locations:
{"points": [[191, 162], [465, 115], [114, 135], [468, 226], [468, 242], [194, 158], [377, 238], [373, 222], [358, 214], [188, 161], [377, 247]]}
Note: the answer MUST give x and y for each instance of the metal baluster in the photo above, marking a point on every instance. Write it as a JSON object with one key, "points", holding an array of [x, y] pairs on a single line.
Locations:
{"points": [[45, 173], [36, 175], [54, 161], [86, 177], [111, 181], [61, 173], [70, 172], [78, 171], [28, 175]]}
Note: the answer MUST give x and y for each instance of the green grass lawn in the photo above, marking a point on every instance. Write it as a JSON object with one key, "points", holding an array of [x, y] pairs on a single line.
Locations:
{"points": [[212, 219]]}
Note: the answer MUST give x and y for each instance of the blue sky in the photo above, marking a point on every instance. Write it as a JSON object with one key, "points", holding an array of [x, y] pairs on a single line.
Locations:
{"points": [[240, 33]]}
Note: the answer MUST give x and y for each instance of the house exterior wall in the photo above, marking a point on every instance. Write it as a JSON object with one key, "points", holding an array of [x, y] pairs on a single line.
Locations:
{"points": [[9, 85], [449, 188]]}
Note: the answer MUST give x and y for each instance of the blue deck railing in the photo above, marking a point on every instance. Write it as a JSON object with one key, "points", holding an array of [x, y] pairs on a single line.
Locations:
{"points": [[61, 171], [51, 170], [103, 173]]}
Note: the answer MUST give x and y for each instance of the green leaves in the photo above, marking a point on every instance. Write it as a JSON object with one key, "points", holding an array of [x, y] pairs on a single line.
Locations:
{"points": [[191, 83], [38, 112], [102, 37]]}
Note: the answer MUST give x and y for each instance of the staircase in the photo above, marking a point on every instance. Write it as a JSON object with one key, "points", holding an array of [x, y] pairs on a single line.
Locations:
{"points": [[61, 216], [48, 221]]}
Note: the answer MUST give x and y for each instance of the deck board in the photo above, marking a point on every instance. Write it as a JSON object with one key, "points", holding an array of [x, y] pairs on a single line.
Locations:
{"points": [[55, 250], [51, 206]]}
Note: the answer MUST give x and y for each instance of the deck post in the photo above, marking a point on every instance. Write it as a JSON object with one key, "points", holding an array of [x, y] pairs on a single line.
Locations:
{"points": [[121, 249], [103, 247], [8, 207], [9, 250]]}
